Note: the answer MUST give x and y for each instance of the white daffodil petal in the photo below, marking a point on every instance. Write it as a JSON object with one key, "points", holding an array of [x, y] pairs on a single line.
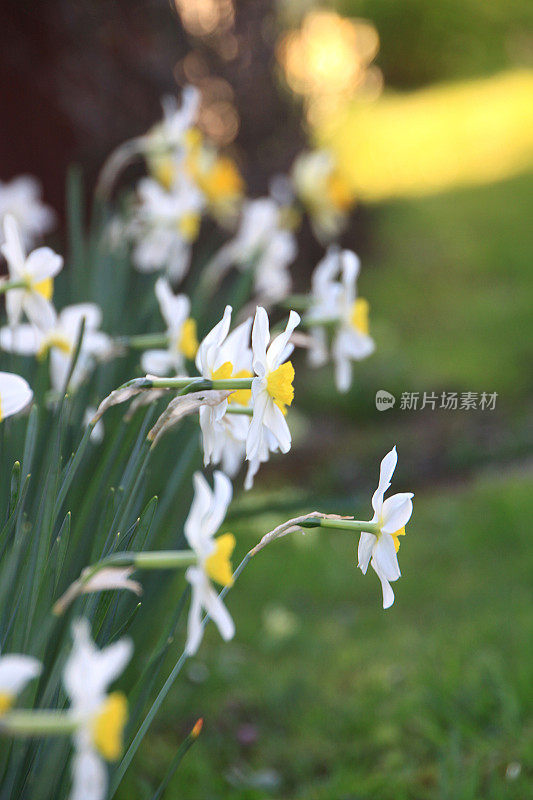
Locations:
{"points": [[385, 558], [275, 421], [89, 776], [260, 340], [223, 492], [39, 310], [157, 362], [193, 527], [71, 317], [388, 594], [219, 614], [255, 431], [43, 263], [15, 394], [16, 671], [25, 340], [364, 551], [12, 248], [276, 352], [194, 621], [396, 512], [386, 471]]}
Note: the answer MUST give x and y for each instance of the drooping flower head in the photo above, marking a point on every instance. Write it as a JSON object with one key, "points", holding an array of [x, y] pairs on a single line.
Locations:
{"points": [[34, 272], [390, 516], [323, 191], [207, 514], [272, 389], [100, 716], [181, 333], [15, 672], [15, 394]]}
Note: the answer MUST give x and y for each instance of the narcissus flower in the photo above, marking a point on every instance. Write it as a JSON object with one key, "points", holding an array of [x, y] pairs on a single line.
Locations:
{"points": [[100, 716], [15, 394], [60, 338], [272, 389], [165, 225], [390, 516], [181, 333], [15, 672], [323, 191], [336, 309], [21, 199], [223, 355], [34, 273], [168, 135], [207, 514]]}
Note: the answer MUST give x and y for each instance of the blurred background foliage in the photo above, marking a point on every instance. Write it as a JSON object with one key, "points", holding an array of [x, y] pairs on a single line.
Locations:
{"points": [[322, 695]]}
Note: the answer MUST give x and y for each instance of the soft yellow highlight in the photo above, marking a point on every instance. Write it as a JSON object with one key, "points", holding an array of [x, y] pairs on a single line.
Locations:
{"points": [[340, 193], [222, 182], [218, 564], [400, 532], [55, 339], [224, 373], [163, 170], [6, 701], [108, 726], [45, 288], [188, 341], [189, 226], [279, 385], [359, 315], [434, 139], [1, 412]]}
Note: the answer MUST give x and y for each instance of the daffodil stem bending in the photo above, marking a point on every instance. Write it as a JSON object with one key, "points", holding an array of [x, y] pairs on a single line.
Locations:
{"points": [[158, 559], [350, 525], [144, 341], [38, 723], [199, 384]]}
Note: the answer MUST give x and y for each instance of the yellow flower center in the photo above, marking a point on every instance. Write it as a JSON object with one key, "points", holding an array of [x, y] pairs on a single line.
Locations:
{"points": [[55, 339], [223, 181], [189, 225], [224, 373], [400, 532], [188, 341], [339, 192], [163, 170], [44, 288], [359, 315], [1, 413], [108, 726], [279, 385], [218, 564], [6, 701]]}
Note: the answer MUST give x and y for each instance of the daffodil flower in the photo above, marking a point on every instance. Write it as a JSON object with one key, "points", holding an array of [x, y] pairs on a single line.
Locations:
{"points": [[334, 304], [100, 717], [207, 514], [31, 276], [168, 135], [60, 338], [21, 199], [379, 549], [223, 355], [181, 333], [323, 191], [272, 389], [165, 225], [15, 394], [15, 672]]}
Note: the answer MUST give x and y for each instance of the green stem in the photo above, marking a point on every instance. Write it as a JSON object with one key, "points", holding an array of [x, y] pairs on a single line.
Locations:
{"points": [[351, 525], [235, 408], [144, 341], [6, 285], [193, 384], [38, 723]]}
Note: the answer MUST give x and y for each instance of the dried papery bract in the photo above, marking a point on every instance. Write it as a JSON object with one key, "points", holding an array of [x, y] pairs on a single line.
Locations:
{"points": [[104, 579], [144, 399], [184, 405], [121, 395], [291, 526]]}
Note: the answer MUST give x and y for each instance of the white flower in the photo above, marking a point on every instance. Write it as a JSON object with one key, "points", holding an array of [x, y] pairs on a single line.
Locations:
{"points": [[15, 672], [223, 355], [391, 516], [60, 337], [35, 272], [98, 432], [335, 303], [181, 333], [263, 245], [100, 716], [272, 389], [323, 191], [207, 513], [165, 225], [21, 198], [15, 394], [168, 134]]}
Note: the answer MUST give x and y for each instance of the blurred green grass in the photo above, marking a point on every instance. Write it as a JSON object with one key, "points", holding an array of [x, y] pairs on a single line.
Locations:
{"points": [[324, 695]]}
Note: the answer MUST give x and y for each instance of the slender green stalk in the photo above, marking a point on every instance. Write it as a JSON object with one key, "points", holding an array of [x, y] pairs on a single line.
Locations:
{"points": [[234, 408], [6, 285], [144, 341], [350, 525], [38, 723], [156, 705]]}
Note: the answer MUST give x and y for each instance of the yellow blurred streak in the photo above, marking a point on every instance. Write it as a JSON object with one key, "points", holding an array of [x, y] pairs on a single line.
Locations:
{"points": [[434, 139]]}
